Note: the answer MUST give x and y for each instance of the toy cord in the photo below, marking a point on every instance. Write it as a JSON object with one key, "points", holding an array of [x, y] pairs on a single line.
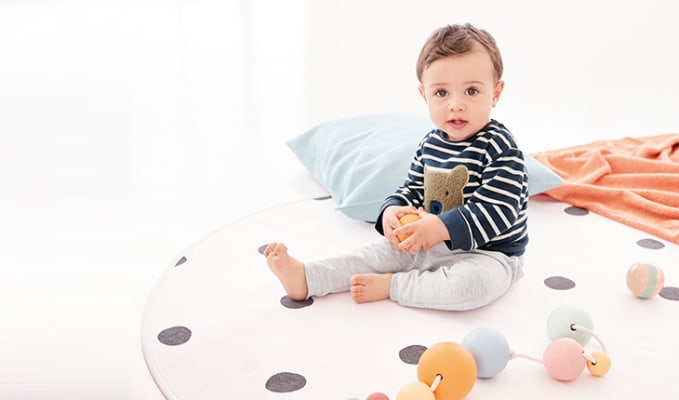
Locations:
{"points": [[574, 327]]}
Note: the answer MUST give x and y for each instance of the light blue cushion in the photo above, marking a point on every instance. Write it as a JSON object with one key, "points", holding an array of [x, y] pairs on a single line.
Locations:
{"points": [[362, 160]]}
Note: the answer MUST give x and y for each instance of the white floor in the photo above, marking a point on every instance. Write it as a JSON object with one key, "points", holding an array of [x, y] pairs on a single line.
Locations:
{"points": [[121, 144], [130, 129]]}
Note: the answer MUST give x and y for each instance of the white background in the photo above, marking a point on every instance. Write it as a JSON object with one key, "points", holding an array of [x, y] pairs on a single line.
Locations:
{"points": [[130, 129]]}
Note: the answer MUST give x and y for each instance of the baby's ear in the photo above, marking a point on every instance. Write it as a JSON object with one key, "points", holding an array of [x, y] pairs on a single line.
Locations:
{"points": [[497, 92], [421, 90]]}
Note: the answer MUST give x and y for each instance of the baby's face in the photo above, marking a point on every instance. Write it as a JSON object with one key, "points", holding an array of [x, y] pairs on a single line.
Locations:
{"points": [[460, 92]]}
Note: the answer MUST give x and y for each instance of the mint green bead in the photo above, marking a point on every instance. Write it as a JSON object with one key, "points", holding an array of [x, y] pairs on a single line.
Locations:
{"points": [[560, 320]]}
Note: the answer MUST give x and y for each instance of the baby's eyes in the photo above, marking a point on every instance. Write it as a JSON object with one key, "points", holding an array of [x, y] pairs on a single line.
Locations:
{"points": [[472, 91]]}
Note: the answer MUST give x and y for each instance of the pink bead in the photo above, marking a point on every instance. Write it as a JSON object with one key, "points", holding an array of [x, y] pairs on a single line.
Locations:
{"points": [[378, 396], [563, 359]]}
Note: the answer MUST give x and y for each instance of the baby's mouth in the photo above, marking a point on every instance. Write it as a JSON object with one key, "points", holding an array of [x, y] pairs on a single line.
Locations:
{"points": [[457, 123]]}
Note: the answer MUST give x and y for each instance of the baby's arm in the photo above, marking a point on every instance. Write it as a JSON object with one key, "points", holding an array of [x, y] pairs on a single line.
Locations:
{"points": [[424, 233]]}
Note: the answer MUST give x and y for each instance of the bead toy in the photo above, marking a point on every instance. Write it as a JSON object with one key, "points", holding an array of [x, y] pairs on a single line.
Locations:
{"points": [[448, 371]]}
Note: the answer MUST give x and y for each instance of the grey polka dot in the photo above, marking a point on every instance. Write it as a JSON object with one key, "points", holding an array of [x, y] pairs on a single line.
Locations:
{"points": [[285, 382], [650, 244], [577, 211], [261, 248], [175, 336], [670, 293], [323, 197], [287, 302], [559, 283], [411, 354], [181, 261]]}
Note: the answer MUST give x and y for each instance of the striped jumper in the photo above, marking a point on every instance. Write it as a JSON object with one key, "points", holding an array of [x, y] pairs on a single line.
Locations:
{"points": [[493, 216]]}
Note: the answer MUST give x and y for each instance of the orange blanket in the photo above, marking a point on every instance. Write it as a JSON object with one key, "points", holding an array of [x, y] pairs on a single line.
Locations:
{"points": [[634, 180]]}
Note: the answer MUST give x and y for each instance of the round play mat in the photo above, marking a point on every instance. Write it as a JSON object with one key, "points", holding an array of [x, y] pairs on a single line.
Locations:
{"points": [[218, 325]]}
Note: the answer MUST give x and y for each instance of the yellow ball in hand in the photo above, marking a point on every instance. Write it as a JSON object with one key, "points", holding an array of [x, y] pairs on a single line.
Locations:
{"points": [[404, 220]]}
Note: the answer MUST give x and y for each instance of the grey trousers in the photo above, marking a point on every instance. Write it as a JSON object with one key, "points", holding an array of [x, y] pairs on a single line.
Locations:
{"points": [[437, 278]]}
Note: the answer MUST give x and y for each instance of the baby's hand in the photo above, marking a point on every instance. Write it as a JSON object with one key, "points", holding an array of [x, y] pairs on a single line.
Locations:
{"points": [[390, 222], [423, 233]]}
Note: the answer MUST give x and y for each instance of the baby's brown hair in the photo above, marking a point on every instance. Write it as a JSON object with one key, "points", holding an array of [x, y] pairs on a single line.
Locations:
{"points": [[452, 40]]}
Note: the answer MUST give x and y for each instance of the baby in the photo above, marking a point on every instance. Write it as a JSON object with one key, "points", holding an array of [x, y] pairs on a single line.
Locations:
{"points": [[456, 256]]}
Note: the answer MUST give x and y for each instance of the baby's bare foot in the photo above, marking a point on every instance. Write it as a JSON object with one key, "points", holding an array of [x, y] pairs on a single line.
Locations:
{"points": [[370, 287], [289, 270]]}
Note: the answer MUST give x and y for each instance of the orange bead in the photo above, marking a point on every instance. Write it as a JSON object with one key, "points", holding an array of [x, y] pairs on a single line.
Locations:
{"points": [[602, 366], [404, 220], [454, 363]]}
